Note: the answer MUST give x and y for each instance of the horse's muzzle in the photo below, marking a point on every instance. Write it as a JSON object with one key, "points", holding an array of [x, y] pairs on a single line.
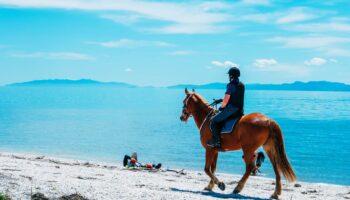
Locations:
{"points": [[182, 118]]}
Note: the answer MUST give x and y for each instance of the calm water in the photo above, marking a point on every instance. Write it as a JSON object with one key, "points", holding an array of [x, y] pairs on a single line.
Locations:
{"points": [[104, 123]]}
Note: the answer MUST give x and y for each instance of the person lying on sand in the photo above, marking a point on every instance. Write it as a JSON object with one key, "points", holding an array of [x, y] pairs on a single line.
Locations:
{"points": [[259, 160], [131, 162]]}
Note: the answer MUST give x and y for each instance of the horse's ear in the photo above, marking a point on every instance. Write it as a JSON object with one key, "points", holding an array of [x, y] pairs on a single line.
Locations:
{"points": [[194, 98], [186, 91], [193, 90]]}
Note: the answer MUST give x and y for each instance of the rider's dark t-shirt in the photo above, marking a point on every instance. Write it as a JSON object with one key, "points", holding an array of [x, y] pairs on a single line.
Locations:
{"points": [[236, 91]]}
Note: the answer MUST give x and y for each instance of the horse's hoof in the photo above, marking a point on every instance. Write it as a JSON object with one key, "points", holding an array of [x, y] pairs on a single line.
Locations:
{"points": [[274, 196], [222, 186], [237, 190], [208, 189]]}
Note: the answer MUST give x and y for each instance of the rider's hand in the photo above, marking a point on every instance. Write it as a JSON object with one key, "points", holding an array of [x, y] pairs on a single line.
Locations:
{"points": [[217, 101]]}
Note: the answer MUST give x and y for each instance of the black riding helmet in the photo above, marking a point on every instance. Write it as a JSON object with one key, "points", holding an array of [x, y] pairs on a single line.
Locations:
{"points": [[234, 72]]}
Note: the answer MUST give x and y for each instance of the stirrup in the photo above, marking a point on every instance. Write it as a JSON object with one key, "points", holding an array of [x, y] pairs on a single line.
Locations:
{"points": [[214, 145]]}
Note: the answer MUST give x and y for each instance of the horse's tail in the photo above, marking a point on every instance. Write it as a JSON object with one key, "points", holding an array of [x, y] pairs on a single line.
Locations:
{"points": [[275, 149]]}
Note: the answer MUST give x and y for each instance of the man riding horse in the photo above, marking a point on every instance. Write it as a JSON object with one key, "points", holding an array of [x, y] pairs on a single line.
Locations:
{"points": [[232, 105], [251, 132]]}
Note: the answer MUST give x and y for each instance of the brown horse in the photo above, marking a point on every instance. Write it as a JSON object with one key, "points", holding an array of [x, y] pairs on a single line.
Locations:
{"points": [[251, 132]]}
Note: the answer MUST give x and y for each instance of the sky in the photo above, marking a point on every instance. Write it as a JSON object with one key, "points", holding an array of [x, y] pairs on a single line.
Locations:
{"points": [[162, 43]]}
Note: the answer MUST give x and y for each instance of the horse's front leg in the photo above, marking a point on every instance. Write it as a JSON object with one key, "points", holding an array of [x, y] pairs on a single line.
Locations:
{"points": [[210, 167]]}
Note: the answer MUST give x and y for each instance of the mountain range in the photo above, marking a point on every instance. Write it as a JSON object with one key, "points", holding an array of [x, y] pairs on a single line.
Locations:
{"points": [[300, 86], [67, 82]]}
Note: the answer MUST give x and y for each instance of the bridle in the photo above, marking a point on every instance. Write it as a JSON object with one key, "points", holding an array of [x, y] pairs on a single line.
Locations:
{"points": [[184, 108], [187, 114]]}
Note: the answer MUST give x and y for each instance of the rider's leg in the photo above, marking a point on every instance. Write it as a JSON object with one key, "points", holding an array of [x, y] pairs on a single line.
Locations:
{"points": [[216, 124], [215, 129]]}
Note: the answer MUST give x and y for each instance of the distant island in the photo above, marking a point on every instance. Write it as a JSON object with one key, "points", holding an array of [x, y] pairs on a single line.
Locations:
{"points": [[67, 82], [300, 86]]}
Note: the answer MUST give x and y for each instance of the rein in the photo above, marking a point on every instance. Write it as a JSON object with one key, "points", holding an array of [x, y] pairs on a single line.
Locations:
{"points": [[205, 119], [216, 102], [209, 114]]}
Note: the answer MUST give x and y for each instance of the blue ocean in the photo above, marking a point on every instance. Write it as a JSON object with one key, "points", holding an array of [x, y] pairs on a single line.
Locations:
{"points": [[103, 123]]}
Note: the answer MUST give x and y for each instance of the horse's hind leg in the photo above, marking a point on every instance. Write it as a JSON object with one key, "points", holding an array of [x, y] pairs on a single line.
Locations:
{"points": [[212, 169], [250, 165], [278, 188]]}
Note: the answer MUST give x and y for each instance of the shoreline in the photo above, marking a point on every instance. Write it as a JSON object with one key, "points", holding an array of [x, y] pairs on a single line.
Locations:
{"points": [[117, 162], [24, 174]]}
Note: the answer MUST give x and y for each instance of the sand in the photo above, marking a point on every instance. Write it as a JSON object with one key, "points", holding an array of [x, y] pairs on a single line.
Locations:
{"points": [[24, 174]]}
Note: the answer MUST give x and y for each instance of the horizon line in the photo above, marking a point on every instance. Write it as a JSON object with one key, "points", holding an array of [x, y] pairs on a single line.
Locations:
{"points": [[165, 86]]}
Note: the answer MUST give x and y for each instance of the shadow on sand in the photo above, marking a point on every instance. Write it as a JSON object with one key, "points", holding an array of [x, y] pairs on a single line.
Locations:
{"points": [[218, 195]]}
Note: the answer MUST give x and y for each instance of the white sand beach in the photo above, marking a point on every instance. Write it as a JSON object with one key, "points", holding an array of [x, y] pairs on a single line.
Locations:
{"points": [[22, 175]]}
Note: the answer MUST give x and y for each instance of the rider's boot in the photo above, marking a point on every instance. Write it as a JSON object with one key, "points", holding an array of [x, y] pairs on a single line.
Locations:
{"points": [[215, 142]]}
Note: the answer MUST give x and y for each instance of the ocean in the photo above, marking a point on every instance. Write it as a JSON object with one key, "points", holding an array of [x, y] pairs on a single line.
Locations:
{"points": [[104, 123]]}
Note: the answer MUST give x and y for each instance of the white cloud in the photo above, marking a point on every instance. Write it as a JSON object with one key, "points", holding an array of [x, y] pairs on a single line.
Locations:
{"points": [[325, 44], [336, 52], [217, 63], [230, 64], [55, 55], [214, 5], [262, 63], [321, 27], [128, 70], [191, 29], [122, 19], [295, 15], [131, 43], [258, 17], [333, 60], [291, 69], [309, 41], [195, 15], [340, 19], [272, 65], [181, 53], [224, 64], [315, 61], [256, 2]]}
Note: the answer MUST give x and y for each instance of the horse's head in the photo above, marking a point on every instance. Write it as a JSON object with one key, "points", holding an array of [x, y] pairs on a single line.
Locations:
{"points": [[187, 108]]}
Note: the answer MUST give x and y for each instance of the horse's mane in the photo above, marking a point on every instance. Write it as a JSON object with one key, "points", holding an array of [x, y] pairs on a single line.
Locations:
{"points": [[202, 100]]}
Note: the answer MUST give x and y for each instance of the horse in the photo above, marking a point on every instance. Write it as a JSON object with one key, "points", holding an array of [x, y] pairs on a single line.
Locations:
{"points": [[250, 132]]}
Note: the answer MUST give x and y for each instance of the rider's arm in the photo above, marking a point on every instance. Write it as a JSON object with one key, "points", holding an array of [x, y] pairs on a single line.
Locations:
{"points": [[225, 100], [227, 96]]}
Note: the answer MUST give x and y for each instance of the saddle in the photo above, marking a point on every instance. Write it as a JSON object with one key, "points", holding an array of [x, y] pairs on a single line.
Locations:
{"points": [[230, 124]]}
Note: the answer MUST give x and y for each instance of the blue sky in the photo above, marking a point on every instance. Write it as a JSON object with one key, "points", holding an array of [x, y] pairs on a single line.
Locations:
{"points": [[163, 43]]}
